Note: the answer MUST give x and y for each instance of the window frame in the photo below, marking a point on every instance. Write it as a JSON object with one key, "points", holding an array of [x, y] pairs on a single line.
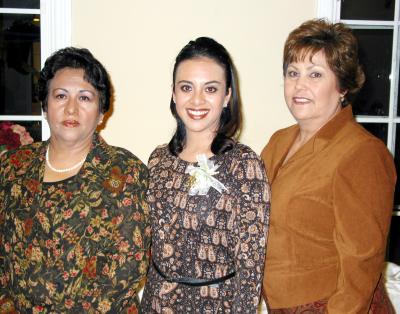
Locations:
{"points": [[55, 33]]}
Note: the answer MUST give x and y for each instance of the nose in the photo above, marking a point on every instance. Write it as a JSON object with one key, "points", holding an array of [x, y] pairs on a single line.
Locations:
{"points": [[301, 82], [71, 106], [197, 98]]}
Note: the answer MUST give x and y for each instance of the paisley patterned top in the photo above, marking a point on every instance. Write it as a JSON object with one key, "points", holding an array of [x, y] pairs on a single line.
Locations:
{"points": [[207, 236], [75, 246]]}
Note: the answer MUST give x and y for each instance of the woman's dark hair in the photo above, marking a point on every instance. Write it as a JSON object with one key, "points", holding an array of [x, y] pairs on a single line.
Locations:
{"points": [[231, 119], [340, 47], [76, 58]]}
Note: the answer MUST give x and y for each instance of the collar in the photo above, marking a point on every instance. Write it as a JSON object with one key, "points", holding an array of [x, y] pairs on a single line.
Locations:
{"points": [[318, 142], [331, 128]]}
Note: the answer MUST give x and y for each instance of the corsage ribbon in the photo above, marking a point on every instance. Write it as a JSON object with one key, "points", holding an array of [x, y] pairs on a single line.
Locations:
{"points": [[202, 176]]}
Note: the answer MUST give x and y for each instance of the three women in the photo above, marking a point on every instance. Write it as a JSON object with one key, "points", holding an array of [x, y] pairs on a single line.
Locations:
{"points": [[67, 247]]}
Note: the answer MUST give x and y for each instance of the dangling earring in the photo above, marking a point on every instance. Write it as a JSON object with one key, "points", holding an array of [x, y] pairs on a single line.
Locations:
{"points": [[341, 100]]}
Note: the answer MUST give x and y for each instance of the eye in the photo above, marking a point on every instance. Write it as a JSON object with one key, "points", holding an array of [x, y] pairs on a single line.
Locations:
{"points": [[315, 75], [84, 98], [211, 89], [60, 96], [292, 73], [185, 88]]}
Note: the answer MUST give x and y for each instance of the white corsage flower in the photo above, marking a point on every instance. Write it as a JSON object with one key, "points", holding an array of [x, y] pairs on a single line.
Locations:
{"points": [[202, 176]]}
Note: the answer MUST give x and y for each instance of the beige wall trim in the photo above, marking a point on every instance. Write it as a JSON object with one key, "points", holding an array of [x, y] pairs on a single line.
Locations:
{"points": [[55, 33]]}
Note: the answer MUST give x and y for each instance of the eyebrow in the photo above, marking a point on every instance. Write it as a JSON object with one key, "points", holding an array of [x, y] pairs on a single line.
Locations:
{"points": [[313, 65], [189, 82], [86, 90], [81, 90]]}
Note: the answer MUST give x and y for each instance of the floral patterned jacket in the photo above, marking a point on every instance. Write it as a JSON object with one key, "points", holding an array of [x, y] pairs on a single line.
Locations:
{"points": [[79, 245]]}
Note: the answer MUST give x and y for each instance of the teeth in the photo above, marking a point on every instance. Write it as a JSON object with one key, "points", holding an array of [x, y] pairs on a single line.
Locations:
{"points": [[301, 99], [197, 112]]}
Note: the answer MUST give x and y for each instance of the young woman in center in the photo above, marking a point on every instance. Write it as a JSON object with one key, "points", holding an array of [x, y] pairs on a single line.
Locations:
{"points": [[208, 194]]}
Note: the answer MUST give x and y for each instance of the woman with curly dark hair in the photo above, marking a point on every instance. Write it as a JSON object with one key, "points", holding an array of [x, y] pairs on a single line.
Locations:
{"points": [[74, 231]]}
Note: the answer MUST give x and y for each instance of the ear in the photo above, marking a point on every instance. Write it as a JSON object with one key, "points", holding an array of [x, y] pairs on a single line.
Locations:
{"points": [[100, 121], [227, 97], [173, 93]]}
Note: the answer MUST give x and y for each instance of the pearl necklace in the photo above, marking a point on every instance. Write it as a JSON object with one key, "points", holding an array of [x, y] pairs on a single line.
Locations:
{"points": [[64, 169]]}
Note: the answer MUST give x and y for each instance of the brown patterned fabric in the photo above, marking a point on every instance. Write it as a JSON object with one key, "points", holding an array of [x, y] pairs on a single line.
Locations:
{"points": [[317, 307], [381, 303], [207, 236]]}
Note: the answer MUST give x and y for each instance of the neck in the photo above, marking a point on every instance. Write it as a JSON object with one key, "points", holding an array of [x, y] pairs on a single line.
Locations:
{"points": [[309, 127], [306, 132], [64, 155], [197, 144]]}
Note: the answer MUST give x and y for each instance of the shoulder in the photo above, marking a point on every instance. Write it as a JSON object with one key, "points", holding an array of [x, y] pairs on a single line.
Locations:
{"points": [[243, 162], [22, 156], [160, 150], [282, 134], [121, 156], [278, 140], [117, 159], [243, 152], [357, 140], [359, 150], [157, 154], [28, 150]]}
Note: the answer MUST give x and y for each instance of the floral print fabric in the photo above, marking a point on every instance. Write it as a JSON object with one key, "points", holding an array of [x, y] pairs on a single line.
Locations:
{"points": [[75, 246], [207, 236]]}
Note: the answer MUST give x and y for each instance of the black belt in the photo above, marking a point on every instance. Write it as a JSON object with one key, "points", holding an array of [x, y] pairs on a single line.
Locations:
{"points": [[196, 282]]}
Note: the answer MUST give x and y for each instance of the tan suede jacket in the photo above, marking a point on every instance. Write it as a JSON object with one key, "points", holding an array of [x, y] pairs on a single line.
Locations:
{"points": [[330, 213]]}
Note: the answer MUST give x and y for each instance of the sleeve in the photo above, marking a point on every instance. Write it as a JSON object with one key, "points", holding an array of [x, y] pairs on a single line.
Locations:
{"points": [[250, 231], [6, 303], [363, 189], [124, 262]]}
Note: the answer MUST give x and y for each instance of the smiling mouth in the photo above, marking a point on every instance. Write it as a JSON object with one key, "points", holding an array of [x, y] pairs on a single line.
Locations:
{"points": [[70, 123], [197, 114], [301, 100]]}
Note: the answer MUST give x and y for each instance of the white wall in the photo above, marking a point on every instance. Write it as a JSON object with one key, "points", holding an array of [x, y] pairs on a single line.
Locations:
{"points": [[137, 41]]}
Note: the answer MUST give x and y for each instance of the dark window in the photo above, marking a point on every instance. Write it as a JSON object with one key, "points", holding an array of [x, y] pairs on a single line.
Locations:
{"points": [[393, 251], [397, 162], [382, 10], [380, 130], [20, 4], [398, 90], [375, 47], [19, 64]]}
